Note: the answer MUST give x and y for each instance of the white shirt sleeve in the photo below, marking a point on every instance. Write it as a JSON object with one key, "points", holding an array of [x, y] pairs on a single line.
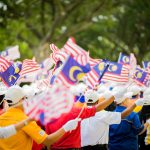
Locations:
{"points": [[8, 131], [110, 117]]}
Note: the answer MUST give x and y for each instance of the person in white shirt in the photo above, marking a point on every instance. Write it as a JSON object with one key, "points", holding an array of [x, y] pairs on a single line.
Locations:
{"points": [[95, 130]]}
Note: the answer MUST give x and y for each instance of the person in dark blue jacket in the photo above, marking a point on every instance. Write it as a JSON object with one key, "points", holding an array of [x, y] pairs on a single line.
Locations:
{"points": [[124, 136]]}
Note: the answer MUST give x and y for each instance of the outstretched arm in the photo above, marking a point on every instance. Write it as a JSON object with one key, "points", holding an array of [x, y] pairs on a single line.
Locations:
{"points": [[8, 131], [128, 110], [102, 105], [69, 126]]}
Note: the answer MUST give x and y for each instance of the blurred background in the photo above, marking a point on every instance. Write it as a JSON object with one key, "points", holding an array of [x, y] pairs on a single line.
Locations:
{"points": [[103, 27]]}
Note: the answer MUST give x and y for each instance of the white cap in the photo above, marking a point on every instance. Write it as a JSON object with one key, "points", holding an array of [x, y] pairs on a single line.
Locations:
{"points": [[91, 96], [101, 89], [15, 94], [126, 95], [134, 89], [78, 89], [28, 90]]}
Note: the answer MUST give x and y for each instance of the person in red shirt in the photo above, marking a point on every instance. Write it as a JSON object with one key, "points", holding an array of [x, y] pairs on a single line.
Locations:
{"points": [[72, 140]]}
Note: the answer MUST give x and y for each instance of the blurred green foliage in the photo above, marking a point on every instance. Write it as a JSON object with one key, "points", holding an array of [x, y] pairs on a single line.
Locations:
{"points": [[104, 27]]}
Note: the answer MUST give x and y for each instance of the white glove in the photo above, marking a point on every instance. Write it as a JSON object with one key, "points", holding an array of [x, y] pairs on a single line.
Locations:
{"points": [[7, 131], [139, 102], [71, 125], [102, 89]]}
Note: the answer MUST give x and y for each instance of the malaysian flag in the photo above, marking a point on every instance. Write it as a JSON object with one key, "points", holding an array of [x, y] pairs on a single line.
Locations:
{"points": [[133, 64], [133, 61], [124, 59], [9, 72], [43, 80], [43, 84], [72, 72], [30, 68], [96, 73], [71, 48], [141, 77], [146, 65], [11, 53], [117, 73], [47, 107], [57, 54], [55, 50], [4, 64]]}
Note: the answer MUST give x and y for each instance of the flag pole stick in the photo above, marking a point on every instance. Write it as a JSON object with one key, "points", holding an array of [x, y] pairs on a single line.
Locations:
{"points": [[81, 111]]}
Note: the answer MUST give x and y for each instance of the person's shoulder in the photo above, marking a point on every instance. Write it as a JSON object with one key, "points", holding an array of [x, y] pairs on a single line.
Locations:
{"points": [[101, 112], [132, 115]]}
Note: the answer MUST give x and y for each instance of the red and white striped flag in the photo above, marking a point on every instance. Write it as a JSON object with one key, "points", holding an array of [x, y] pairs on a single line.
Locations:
{"points": [[133, 64], [29, 66], [57, 54], [30, 69], [49, 104], [55, 50], [71, 48], [4, 64]]}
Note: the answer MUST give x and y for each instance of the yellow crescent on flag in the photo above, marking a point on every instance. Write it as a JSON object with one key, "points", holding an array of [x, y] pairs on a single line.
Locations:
{"points": [[11, 77], [72, 70], [101, 66]]}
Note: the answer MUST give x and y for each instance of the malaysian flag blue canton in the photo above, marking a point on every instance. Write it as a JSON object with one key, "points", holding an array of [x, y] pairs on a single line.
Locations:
{"points": [[4, 53], [96, 73], [114, 68], [99, 68], [124, 59], [146, 64], [72, 72], [9, 76], [141, 77]]}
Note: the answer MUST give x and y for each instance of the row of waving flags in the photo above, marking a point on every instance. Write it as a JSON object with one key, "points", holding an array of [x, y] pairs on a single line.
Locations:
{"points": [[76, 64], [66, 66]]}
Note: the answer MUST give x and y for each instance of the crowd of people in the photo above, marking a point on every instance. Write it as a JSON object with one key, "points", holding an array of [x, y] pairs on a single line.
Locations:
{"points": [[113, 117]]}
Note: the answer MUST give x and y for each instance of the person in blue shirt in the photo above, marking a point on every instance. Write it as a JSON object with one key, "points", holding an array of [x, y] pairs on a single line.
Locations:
{"points": [[124, 136]]}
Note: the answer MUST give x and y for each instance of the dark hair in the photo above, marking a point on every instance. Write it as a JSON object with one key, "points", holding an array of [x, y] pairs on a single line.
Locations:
{"points": [[1, 103], [9, 102]]}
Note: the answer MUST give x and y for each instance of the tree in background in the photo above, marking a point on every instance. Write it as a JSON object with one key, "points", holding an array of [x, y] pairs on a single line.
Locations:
{"points": [[104, 27]]}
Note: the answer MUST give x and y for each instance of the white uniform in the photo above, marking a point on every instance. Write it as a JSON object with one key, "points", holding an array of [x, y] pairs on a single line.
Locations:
{"points": [[95, 130]]}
